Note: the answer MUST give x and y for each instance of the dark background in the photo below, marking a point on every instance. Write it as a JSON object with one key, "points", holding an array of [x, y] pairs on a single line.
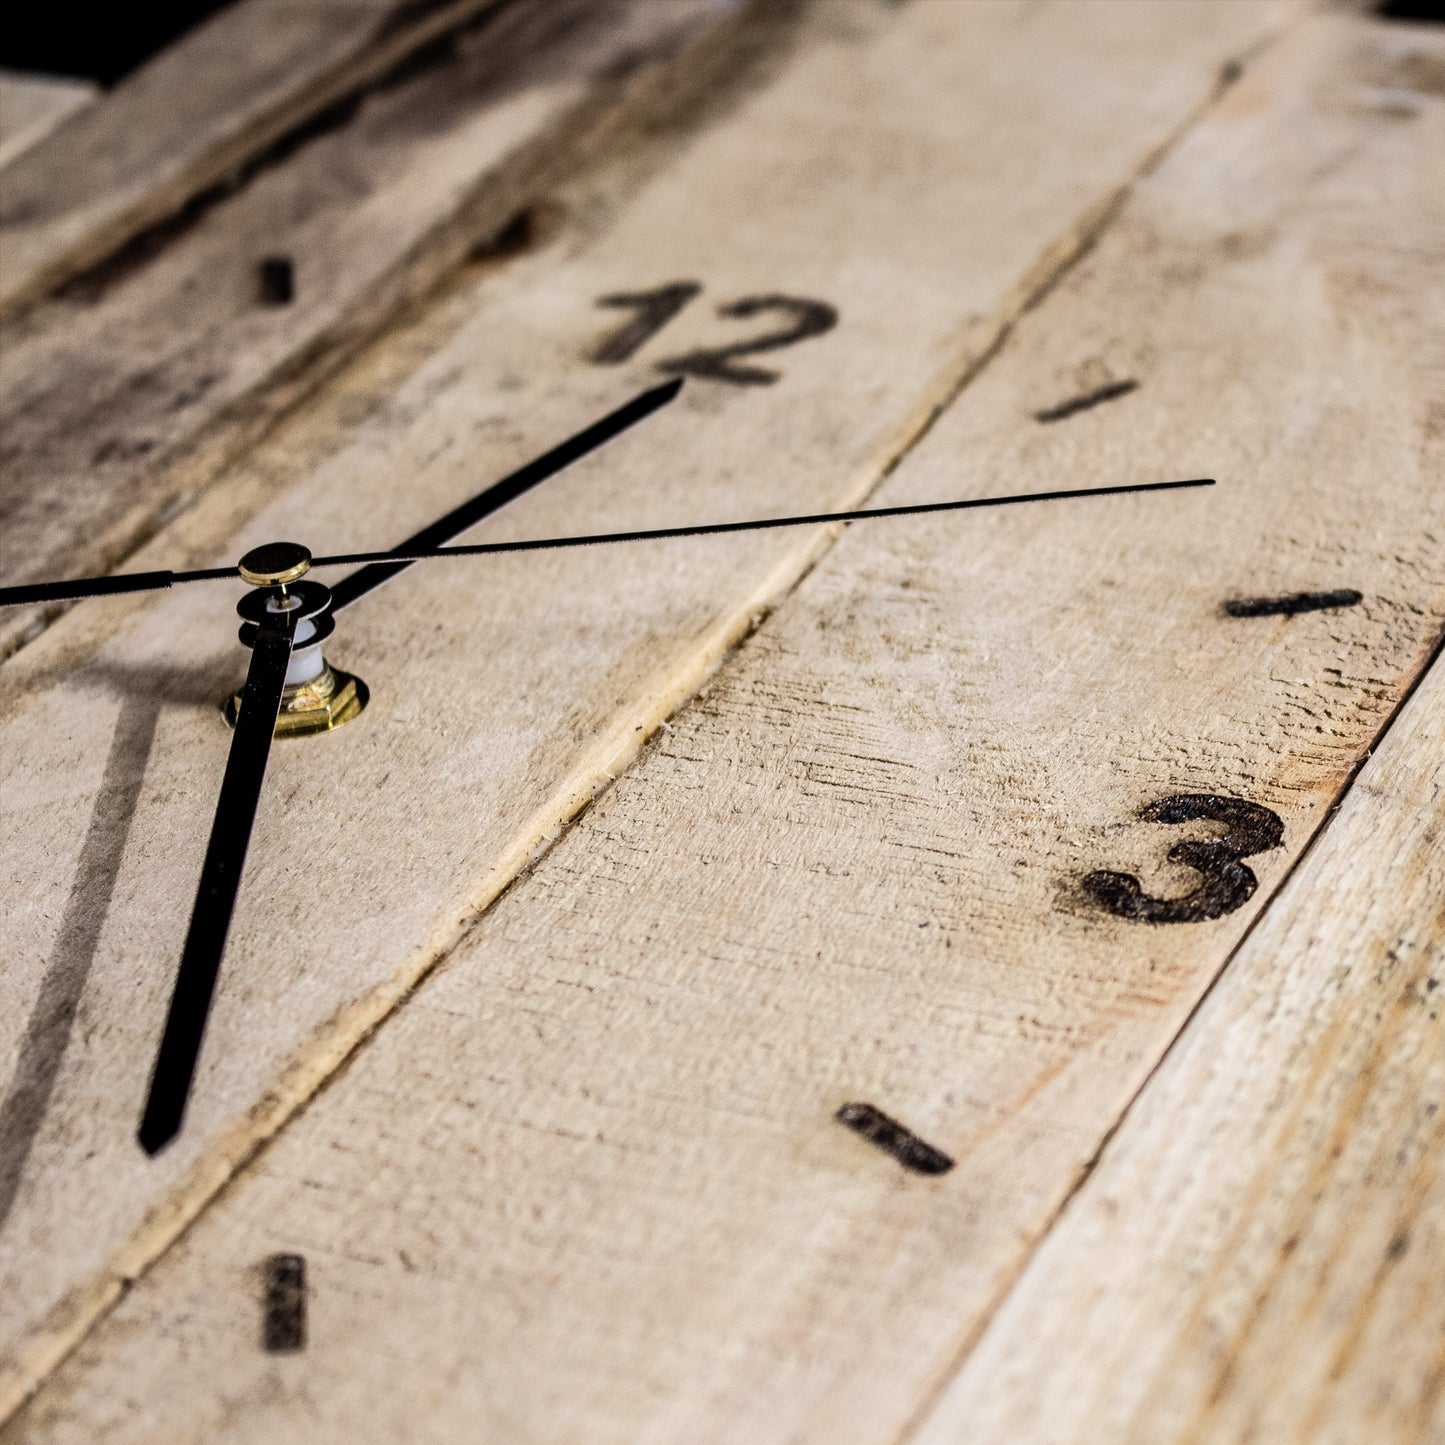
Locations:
{"points": [[104, 42], [1430, 10], [99, 41]]}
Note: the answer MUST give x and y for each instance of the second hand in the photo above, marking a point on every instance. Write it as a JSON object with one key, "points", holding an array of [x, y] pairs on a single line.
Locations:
{"points": [[713, 529]]}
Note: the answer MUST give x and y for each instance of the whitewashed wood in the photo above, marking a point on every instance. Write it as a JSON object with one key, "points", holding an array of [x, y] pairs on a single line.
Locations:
{"points": [[505, 696], [190, 118], [124, 396], [1260, 1254], [586, 1184], [32, 105]]}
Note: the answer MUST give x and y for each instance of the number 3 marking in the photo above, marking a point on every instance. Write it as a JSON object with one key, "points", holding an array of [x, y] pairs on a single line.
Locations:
{"points": [[1226, 883]]}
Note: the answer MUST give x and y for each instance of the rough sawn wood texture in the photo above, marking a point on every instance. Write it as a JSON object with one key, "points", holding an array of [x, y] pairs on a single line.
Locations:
{"points": [[587, 1182], [1260, 1254], [514, 693], [125, 394], [189, 119]]}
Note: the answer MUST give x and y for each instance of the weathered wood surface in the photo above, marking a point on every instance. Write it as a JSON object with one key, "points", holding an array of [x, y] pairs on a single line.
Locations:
{"points": [[1260, 1254], [587, 1182], [31, 106], [505, 696], [122, 397], [191, 118]]}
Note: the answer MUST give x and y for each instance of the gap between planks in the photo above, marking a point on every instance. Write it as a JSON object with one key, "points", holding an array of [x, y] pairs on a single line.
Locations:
{"points": [[931, 1400], [224, 147], [687, 51], [614, 749]]}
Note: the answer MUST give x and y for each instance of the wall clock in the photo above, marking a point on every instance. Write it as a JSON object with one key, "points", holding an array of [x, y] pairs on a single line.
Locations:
{"points": [[292, 691], [972, 976]]}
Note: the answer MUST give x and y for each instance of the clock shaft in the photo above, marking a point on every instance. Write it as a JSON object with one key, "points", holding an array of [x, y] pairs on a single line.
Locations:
{"points": [[180, 1046]]}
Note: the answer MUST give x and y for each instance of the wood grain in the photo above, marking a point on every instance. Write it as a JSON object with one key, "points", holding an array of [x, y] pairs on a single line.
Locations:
{"points": [[189, 119], [124, 396], [589, 1182], [505, 697], [31, 106], [1260, 1254]]}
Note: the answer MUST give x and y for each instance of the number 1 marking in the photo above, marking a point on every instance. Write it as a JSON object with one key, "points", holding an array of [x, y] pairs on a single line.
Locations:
{"points": [[654, 310]]}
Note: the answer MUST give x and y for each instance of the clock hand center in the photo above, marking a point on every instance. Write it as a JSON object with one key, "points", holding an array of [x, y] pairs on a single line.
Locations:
{"points": [[318, 697], [275, 564]]}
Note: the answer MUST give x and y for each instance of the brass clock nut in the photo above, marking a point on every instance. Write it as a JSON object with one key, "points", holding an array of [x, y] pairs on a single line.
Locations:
{"points": [[274, 564], [319, 705]]}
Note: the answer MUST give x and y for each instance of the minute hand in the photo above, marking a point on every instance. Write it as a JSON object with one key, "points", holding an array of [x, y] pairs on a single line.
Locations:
{"points": [[180, 1047]]}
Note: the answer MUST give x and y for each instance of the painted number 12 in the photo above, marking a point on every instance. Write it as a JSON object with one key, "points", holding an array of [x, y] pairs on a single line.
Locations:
{"points": [[798, 319]]}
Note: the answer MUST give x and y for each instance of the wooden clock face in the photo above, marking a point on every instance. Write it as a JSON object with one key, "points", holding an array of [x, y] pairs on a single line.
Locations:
{"points": [[972, 975]]}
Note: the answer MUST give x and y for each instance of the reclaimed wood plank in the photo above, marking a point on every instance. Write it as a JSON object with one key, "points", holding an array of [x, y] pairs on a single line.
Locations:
{"points": [[1260, 1253], [589, 1182], [189, 119], [514, 693], [123, 397], [31, 106]]}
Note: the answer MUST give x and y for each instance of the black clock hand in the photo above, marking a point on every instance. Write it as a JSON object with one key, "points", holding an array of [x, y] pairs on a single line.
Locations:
{"points": [[442, 530], [500, 493], [75, 588], [714, 529], [180, 1046], [390, 561]]}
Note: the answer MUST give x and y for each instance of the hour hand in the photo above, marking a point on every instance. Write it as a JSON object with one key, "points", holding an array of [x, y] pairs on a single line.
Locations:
{"points": [[175, 1064], [500, 493]]}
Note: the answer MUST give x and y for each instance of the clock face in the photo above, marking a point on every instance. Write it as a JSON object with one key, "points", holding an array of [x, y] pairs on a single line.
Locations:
{"points": [[688, 996]]}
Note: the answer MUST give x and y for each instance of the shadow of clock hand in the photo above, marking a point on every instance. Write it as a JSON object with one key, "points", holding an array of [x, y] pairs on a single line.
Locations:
{"points": [[47, 1032], [144, 694]]}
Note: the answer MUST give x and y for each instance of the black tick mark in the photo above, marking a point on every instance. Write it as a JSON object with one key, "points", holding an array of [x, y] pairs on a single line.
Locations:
{"points": [[1293, 603], [893, 1138], [284, 1312], [1076, 404], [277, 280]]}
